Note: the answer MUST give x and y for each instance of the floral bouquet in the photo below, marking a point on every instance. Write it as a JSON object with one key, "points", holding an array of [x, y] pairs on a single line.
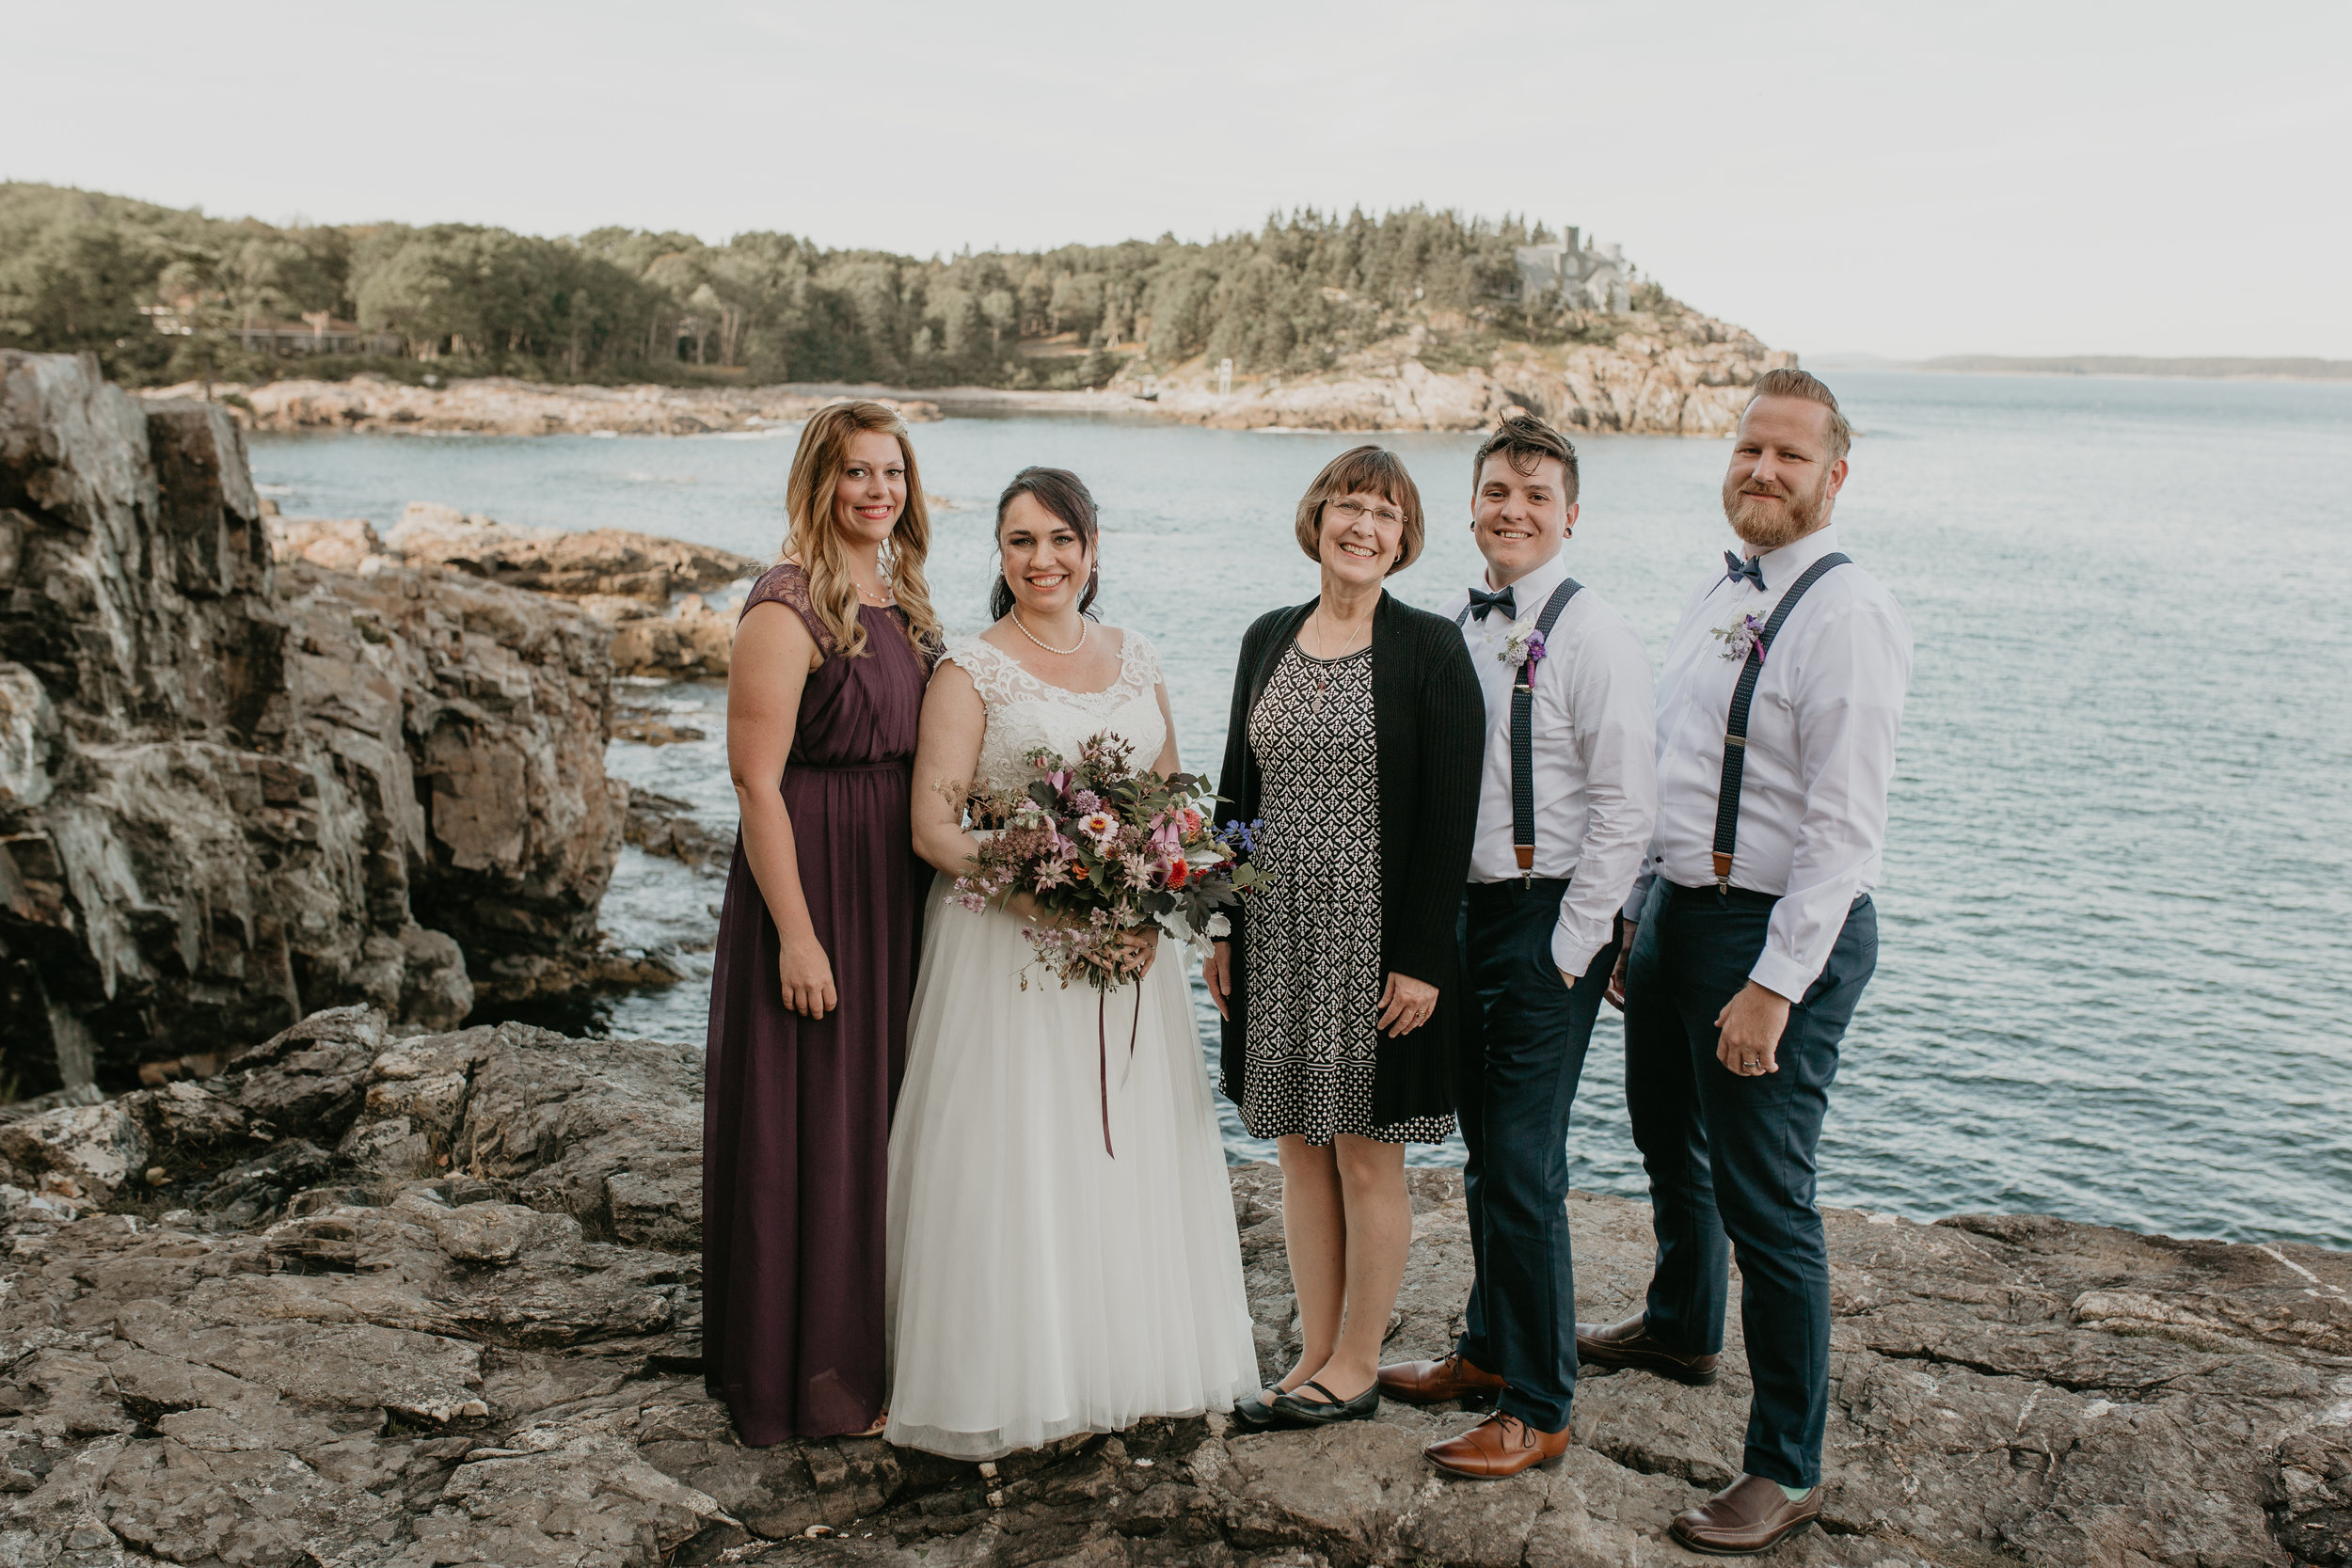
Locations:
{"points": [[1106, 850]]}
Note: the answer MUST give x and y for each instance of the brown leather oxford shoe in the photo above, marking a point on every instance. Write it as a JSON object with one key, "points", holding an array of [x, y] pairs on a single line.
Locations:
{"points": [[1436, 1381], [1750, 1516], [1497, 1447], [1628, 1344]]}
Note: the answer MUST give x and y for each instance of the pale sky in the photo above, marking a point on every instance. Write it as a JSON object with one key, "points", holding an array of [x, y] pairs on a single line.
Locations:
{"points": [[1898, 179]]}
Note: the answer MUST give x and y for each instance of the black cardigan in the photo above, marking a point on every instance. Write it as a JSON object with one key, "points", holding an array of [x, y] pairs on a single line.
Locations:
{"points": [[1430, 722]]}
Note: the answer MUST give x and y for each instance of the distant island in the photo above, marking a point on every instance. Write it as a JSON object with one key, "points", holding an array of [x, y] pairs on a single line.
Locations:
{"points": [[1408, 320], [2218, 369]]}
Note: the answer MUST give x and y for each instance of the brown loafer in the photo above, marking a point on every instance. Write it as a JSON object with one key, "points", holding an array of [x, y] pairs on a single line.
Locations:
{"points": [[1497, 1447], [1628, 1344], [1436, 1381], [1750, 1516]]}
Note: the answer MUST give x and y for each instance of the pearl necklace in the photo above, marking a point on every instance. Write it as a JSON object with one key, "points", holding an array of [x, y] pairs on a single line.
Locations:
{"points": [[1033, 637]]}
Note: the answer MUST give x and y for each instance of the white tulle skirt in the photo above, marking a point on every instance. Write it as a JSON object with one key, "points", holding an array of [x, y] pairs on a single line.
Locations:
{"points": [[1039, 1286]]}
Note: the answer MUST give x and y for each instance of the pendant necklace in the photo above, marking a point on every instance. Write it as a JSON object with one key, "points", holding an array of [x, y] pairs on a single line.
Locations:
{"points": [[1323, 671], [880, 598], [1060, 653]]}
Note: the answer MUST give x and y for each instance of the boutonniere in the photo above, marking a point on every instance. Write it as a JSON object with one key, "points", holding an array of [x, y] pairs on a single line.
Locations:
{"points": [[1523, 647], [1745, 633]]}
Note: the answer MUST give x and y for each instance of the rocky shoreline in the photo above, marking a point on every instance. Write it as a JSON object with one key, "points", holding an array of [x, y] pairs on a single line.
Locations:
{"points": [[1671, 373], [369, 1300], [503, 405], [239, 781], [383, 1291]]}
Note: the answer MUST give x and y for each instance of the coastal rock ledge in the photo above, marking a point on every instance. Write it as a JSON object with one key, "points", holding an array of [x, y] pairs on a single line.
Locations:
{"points": [[234, 789], [368, 1299]]}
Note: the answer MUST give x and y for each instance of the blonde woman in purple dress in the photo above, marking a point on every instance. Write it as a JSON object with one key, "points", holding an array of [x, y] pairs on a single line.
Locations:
{"points": [[814, 963]]}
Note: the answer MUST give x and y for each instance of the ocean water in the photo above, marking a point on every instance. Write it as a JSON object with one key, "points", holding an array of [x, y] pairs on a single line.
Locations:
{"points": [[2115, 969]]}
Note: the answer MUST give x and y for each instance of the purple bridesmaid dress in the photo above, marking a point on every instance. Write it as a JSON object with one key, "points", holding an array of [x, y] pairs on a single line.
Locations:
{"points": [[796, 1117]]}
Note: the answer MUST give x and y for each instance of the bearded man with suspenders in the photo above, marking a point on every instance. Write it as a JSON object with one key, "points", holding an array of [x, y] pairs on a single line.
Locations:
{"points": [[1565, 807], [1749, 944]]}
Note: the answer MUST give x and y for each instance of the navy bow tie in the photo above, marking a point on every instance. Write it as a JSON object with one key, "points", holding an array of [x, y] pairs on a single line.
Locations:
{"points": [[1481, 603], [1751, 569]]}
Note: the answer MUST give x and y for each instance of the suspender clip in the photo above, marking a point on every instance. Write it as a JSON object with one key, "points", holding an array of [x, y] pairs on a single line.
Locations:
{"points": [[1723, 873], [1526, 853]]}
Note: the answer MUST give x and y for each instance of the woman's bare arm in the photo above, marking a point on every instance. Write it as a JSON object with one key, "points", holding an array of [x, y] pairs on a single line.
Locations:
{"points": [[1168, 763], [773, 655], [946, 756]]}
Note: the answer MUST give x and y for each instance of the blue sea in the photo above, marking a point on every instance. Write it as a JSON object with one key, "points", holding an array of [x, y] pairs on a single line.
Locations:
{"points": [[2115, 968]]}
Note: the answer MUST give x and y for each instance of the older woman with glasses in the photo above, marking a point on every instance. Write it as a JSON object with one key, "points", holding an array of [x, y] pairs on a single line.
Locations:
{"points": [[1356, 736]]}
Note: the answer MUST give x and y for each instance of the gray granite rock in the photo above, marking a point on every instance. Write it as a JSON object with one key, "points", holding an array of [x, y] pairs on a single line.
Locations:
{"points": [[317, 1343], [234, 789]]}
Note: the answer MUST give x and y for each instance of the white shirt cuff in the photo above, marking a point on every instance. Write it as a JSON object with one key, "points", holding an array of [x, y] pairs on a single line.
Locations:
{"points": [[1782, 976], [1571, 957]]}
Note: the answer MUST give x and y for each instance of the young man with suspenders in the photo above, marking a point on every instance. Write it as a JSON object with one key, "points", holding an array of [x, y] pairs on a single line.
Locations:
{"points": [[1564, 813], [1749, 945]]}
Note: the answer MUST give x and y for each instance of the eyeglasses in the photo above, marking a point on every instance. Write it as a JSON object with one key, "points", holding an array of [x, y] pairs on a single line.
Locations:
{"points": [[1353, 512]]}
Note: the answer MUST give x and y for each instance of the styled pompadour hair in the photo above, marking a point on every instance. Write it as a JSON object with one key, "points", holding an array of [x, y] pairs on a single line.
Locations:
{"points": [[1525, 441], [1790, 382]]}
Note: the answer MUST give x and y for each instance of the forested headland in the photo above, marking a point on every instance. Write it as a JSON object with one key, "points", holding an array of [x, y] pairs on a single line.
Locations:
{"points": [[163, 295]]}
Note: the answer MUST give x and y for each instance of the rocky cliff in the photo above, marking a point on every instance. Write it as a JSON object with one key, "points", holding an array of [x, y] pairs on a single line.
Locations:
{"points": [[1667, 370], [362, 1300], [501, 405], [233, 790], [1663, 370]]}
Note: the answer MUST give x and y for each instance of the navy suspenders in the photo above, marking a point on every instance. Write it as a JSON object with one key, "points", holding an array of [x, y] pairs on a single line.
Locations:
{"points": [[1524, 731], [1735, 726]]}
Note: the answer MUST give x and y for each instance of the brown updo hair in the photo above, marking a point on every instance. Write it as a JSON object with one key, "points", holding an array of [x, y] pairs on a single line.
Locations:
{"points": [[1368, 471], [1066, 496]]}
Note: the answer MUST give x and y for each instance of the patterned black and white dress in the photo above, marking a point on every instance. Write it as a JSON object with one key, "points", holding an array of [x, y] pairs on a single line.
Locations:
{"points": [[1314, 951]]}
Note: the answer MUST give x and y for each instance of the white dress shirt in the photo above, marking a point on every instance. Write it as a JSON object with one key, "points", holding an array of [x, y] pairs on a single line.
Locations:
{"points": [[1592, 732], [1820, 751]]}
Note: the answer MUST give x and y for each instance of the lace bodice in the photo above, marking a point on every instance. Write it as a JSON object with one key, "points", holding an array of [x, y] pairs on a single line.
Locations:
{"points": [[1024, 712]]}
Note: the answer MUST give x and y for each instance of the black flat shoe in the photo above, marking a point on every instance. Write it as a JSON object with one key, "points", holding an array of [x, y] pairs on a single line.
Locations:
{"points": [[1292, 1411], [1253, 1414]]}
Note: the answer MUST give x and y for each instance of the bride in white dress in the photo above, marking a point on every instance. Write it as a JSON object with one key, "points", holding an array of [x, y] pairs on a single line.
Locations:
{"points": [[1038, 1285]]}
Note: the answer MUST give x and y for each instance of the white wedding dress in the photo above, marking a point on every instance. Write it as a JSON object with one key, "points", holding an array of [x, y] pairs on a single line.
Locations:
{"points": [[1036, 1286]]}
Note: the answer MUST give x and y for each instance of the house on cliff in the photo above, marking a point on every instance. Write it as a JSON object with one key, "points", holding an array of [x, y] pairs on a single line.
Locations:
{"points": [[1579, 275]]}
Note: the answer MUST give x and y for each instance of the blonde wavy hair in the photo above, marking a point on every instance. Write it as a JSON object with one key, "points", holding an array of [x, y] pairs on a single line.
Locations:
{"points": [[813, 533]]}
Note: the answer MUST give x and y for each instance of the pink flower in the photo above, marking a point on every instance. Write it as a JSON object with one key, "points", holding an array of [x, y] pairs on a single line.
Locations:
{"points": [[1100, 826]]}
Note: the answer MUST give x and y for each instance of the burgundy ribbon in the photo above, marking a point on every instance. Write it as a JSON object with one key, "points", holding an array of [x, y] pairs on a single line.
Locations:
{"points": [[1103, 1052]]}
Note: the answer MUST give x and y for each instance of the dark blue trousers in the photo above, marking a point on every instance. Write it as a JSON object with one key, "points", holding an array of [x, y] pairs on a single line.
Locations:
{"points": [[1532, 1031], [1732, 1159]]}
